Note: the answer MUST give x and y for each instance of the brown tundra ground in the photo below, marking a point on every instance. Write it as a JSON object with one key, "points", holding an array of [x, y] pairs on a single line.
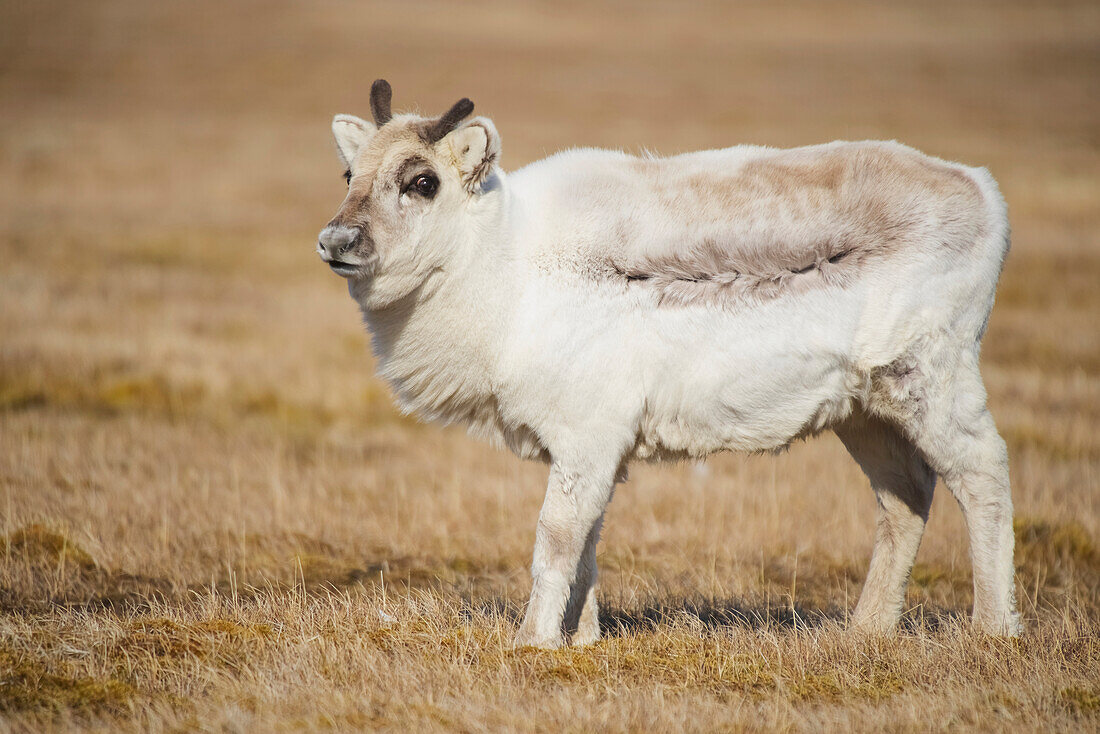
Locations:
{"points": [[211, 517]]}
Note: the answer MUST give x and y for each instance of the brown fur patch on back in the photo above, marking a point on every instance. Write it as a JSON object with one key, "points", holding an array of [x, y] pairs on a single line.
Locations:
{"points": [[709, 273], [831, 213]]}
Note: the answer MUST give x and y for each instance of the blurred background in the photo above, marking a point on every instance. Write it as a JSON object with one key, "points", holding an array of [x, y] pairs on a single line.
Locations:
{"points": [[164, 169], [149, 117], [187, 397], [139, 140]]}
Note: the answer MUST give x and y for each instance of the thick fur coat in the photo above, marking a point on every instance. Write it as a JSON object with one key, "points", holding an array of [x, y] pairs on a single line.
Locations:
{"points": [[594, 308]]}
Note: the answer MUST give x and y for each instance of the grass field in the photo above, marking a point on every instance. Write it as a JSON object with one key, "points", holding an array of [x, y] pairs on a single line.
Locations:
{"points": [[212, 518]]}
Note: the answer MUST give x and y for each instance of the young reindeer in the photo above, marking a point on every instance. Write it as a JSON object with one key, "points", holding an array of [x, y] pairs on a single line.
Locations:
{"points": [[594, 308]]}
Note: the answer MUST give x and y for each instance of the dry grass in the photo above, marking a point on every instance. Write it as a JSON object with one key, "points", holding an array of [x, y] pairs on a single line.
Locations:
{"points": [[210, 516]]}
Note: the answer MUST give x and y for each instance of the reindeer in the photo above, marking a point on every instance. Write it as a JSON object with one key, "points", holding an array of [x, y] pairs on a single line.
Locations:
{"points": [[595, 308]]}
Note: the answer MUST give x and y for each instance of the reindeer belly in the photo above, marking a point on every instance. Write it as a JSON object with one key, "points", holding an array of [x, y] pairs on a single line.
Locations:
{"points": [[679, 381], [749, 381]]}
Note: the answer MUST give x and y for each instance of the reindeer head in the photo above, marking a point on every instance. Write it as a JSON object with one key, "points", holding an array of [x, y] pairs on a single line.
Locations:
{"points": [[412, 182]]}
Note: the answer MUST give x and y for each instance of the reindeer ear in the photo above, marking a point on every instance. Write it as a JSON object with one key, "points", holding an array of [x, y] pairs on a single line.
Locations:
{"points": [[351, 134], [476, 149]]}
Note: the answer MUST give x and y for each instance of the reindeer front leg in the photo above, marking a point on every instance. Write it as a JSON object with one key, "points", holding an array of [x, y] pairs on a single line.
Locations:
{"points": [[564, 559]]}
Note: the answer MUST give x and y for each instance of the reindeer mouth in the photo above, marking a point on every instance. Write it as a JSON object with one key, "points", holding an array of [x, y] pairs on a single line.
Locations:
{"points": [[343, 269]]}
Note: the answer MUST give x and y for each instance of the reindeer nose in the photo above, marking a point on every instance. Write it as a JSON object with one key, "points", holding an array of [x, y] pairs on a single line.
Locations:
{"points": [[336, 240]]}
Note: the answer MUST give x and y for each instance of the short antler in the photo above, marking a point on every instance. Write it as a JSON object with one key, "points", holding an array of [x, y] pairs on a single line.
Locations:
{"points": [[381, 93], [449, 120]]}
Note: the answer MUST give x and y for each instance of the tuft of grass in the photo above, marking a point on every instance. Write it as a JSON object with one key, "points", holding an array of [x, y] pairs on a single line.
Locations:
{"points": [[28, 684], [228, 642], [1081, 700], [1052, 543], [36, 543], [877, 685], [1056, 554], [1060, 447], [101, 392], [110, 392]]}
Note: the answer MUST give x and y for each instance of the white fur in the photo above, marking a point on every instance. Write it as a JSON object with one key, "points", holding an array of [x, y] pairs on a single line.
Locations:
{"points": [[495, 307], [350, 133]]}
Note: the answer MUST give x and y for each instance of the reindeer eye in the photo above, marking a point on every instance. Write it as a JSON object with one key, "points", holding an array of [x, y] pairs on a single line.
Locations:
{"points": [[426, 185], [347, 176]]}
